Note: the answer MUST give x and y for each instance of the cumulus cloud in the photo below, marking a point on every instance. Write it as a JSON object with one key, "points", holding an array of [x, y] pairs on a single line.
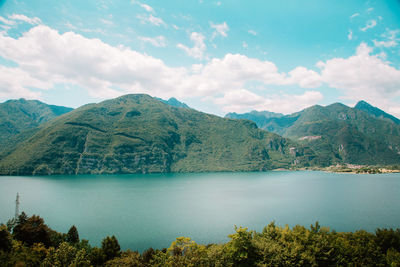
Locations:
{"points": [[46, 58], [220, 29], [158, 41], [151, 19], [363, 75], [14, 83], [304, 77], [370, 24], [197, 51]]}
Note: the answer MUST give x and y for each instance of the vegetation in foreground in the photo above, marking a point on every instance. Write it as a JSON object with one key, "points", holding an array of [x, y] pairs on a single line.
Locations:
{"points": [[28, 241]]}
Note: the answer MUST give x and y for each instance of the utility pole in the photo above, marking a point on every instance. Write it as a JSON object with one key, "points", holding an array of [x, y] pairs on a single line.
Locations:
{"points": [[17, 207]]}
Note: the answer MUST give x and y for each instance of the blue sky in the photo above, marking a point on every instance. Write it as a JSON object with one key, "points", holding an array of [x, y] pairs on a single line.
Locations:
{"points": [[217, 56]]}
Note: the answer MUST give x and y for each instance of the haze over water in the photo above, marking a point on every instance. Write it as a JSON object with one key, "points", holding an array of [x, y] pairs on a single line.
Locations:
{"points": [[151, 210]]}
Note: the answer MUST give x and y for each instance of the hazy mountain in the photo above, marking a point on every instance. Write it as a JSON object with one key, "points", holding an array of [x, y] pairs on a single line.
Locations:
{"points": [[139, 134], [340, 134], [376, 112], [259, 117], [173, 102], [19, 119]]}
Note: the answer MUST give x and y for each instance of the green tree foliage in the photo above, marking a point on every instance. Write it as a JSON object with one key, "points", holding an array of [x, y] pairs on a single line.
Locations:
{"points": [[97, 257], [72, 235], [241, 250], [110, 247], [148, 255], [127, 259], [66, 255], [5, 239], [273, 246], [32, 230]]}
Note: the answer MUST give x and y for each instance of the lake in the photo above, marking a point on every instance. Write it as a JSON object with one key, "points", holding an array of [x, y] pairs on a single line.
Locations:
{"points": [[151, 210]]}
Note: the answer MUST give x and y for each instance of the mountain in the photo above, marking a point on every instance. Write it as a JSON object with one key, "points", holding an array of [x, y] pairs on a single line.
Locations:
{"points": [[340, 134], [376, 112], [19, 119], [173, 102], [259, 117], [140, 134]]}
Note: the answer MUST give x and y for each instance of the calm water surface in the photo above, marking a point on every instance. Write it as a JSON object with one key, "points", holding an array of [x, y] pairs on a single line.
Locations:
{"points": [[151, 210]]}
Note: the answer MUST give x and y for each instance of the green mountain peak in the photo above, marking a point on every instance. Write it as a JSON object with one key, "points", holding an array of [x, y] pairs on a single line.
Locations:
{"points": [[376, 112]]}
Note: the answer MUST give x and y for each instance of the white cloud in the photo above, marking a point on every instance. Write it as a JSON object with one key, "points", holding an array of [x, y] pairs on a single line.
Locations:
{"points": [[158, 41], [390, 43], [350, 35], [46, 58], [14, 83], [197, 51], [6, 21], [370, 24], [244, 45], [33, 21], [369, 10], [220, 29], [354, 15], [144, 6], [243, 101], [147, 8], [252, 32], [103, 70], [107, 22], [364, 76], [151, 19], [106, 71], [304, 78], [391, 39]]}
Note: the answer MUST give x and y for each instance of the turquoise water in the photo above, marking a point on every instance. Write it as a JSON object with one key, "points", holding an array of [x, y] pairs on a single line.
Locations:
{"points": [[151, 210]]}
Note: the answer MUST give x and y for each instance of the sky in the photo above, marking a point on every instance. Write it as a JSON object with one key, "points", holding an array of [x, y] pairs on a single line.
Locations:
{"points": [[216, 56]]}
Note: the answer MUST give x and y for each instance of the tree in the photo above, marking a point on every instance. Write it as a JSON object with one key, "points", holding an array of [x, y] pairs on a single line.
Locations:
{"points": [[72, 235], [32, 230], [5, 239], [97, 257], [240, 249], [148, 255], [110, 247]]}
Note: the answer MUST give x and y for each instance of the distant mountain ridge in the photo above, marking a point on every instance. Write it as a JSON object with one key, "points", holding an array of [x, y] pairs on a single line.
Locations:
{"points": [[19, 118], [140, 134], [340, 134], [259, 117], [173, 102], [376, 112]]}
